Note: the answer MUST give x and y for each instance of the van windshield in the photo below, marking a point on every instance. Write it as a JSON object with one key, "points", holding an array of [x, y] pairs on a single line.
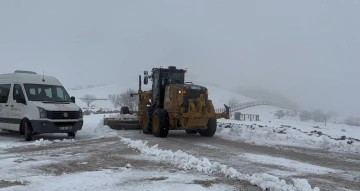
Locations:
{"points": [[47, 93]]}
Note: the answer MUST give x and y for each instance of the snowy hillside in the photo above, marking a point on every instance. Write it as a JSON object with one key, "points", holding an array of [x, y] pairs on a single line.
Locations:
{"points": [[218, 95], [221, 96]]}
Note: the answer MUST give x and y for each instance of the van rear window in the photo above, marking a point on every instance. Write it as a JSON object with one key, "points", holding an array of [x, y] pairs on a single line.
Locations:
{"points": [[4, 92]]}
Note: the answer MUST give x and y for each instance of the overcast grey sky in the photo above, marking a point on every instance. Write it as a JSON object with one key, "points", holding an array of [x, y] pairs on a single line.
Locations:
{"points": [[308, 50]]}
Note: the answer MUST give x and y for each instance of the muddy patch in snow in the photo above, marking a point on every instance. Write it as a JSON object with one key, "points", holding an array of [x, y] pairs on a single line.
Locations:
{"points": [[109, 158], [206, 183], [5, 183], [157, 178]]}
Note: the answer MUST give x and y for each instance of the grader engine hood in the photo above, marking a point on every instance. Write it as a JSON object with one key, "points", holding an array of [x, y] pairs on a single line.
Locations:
{"points": [[193, 91], [194, 107], [190, 98]]}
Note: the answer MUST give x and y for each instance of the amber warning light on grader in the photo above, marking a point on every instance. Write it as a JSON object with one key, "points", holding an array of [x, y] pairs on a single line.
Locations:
{"points": [[170, 104]]}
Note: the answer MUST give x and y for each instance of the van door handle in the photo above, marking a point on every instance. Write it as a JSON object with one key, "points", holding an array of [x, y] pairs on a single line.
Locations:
{"points": [[6, 105], [11, 105]]}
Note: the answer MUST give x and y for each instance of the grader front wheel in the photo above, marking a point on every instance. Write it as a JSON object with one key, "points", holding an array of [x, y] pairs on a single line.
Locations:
{"points": [[160, 123]]}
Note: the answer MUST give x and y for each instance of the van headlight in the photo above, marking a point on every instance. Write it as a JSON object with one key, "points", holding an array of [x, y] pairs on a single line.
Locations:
{"points": [[42, 112]]}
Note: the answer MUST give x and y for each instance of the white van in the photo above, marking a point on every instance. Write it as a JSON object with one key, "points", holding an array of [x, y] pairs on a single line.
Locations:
{"points": [[34, 104]]}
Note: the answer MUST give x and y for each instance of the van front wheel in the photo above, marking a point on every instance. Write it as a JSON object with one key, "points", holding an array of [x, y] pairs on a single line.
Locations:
{"points": [[28, 132], [71, 134]]}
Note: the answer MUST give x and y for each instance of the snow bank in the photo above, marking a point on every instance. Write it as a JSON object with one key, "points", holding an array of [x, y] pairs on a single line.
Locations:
{"points": [[93, 129], [46, 142], [39, 142], [185, 161], [287, 135], [123, 116], [117, 179]]}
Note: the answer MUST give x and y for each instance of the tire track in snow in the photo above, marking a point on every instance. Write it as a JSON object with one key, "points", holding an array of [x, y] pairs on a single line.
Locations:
{"points": [[185, 161]]}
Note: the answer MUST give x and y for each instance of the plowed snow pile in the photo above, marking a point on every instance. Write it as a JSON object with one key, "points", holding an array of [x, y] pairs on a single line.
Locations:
{"points": [[185, 161], [287, 135]]}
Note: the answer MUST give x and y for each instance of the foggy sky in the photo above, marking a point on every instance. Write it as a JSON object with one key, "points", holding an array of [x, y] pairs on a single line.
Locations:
{"points": [[307, 50]]}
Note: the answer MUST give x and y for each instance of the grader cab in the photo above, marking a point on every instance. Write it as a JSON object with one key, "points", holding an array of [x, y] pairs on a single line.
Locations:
{"points": [[173, 104]]}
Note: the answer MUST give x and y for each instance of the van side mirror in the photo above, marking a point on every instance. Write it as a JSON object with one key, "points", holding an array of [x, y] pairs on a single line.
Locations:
{"points": [[72, 99]]}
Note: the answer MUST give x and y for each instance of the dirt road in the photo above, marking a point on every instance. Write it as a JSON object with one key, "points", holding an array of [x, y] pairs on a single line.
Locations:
{"points": [[94, 154], [326, 170]]}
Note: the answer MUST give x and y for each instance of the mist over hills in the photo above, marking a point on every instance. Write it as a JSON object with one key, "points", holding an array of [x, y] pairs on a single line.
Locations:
{"points": [[263, 94]]}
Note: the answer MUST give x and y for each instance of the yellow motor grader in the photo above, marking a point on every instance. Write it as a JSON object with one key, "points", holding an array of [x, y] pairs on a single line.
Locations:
{"points": [[172, 104]]}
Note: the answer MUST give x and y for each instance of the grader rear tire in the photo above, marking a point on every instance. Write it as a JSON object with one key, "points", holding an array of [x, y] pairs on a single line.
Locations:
{"points": [[160, 123], [211, 128]]}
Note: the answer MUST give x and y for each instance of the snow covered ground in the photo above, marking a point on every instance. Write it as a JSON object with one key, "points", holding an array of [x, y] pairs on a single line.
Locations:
{"points": [[241, 154], [291, 132], [185, 161], [122, 178], [52, 162], [296, 166], [286, 131]]}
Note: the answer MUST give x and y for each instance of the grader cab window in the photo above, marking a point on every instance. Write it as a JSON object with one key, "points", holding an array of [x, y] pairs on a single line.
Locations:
{"points": [[174, 77]]}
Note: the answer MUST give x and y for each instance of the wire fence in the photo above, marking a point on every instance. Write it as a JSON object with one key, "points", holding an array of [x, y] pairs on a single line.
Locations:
{"points": [[243, 106]]}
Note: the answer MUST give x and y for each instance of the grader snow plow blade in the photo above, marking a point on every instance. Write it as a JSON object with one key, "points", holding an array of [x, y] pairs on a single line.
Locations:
{"points": [[126, 122], [122, 125]]}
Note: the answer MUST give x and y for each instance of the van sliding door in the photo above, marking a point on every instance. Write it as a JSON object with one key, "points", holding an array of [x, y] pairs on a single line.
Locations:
{"points": [[17, 107], [4, 105]]}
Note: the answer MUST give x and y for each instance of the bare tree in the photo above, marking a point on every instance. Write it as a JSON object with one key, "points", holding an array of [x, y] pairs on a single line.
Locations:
{"points": [[115, 100], [280, 114], [124, 99], [305, 116], [233, 102], [328, 116], [127, 100], [88, 99]]}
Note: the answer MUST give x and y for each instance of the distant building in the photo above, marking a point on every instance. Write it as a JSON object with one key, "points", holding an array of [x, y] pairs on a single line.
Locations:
{"points": [[246, 117]]}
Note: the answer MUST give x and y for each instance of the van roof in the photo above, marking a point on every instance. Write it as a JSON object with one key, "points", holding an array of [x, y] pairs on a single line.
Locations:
{"points": [[28, 77]]}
